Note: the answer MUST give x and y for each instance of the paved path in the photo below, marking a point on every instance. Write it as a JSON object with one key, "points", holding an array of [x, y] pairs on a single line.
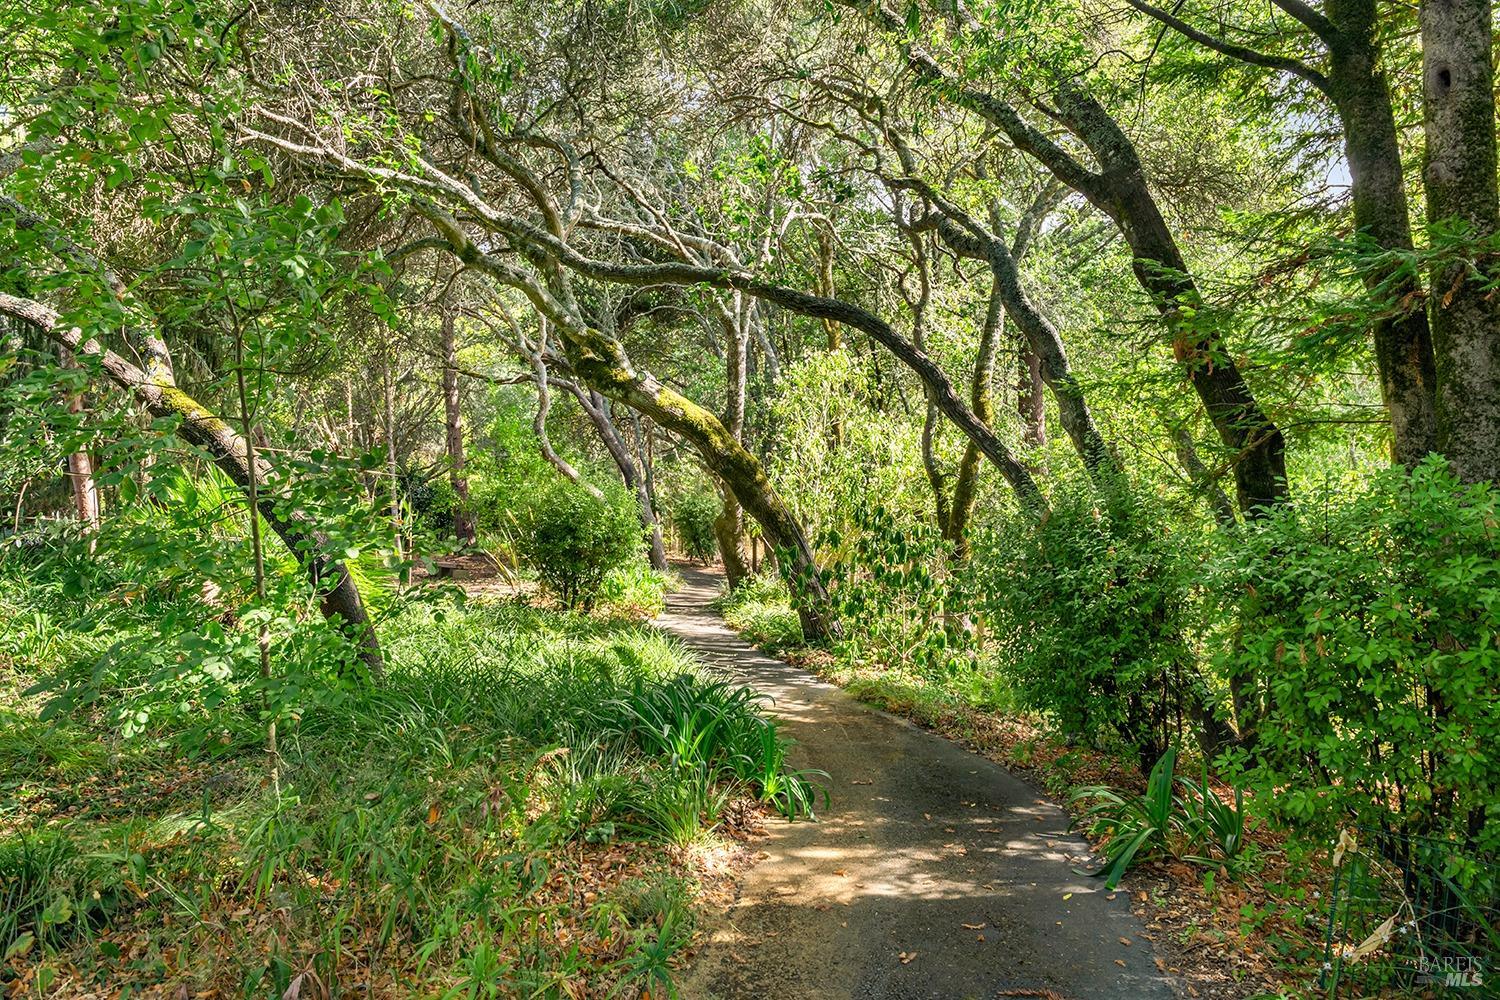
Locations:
{"points": [[926, 849]]}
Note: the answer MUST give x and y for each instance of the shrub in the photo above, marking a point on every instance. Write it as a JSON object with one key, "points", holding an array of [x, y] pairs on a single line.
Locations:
{"points": [[760, 609], [693, 519], [1092, 606], [881, 581], [573, 539], [635, 590], [434, 501], [1368, 627]]}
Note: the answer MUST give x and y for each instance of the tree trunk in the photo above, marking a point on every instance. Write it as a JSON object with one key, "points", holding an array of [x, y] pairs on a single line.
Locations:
{"points": [[982, 401], [1122, 192], [646, 453], [1459, 120], [1243, 427], [1403, 342], [597, 409], [463, 516], [330, 578], [600, 364], [1203, 481], [1031, 403], [1119, 190], [392, 468], [81, 467], [729, 525], [1044, 345], [729, 532]]}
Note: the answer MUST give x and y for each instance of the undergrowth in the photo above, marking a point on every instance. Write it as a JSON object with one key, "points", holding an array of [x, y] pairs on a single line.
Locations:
{"points": [[523, 807]]}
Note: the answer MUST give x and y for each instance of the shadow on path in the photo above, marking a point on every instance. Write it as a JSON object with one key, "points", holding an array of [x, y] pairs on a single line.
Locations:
{"points": [[925, 848]]}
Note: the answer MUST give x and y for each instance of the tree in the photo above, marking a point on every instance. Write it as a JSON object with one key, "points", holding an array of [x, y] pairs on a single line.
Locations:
{"points": [[1458, 104], [197, 425]]}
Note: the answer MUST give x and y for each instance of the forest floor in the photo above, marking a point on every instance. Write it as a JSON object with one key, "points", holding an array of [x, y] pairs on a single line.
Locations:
{"points": [[932, 872]]}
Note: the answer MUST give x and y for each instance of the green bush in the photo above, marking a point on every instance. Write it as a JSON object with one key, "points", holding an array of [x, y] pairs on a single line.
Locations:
{"points": [[1092, 605], [635, 590], [573, 539], [435, 503], [693, 519], [1368, 625], [760, 609]]}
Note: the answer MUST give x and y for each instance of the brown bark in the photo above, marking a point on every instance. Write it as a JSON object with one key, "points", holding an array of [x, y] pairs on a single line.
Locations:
{"points": [[1403, 342], [729, 532], [1459, 120], [1356, 84], [936, 478], [339, 597], [1122, 193]]}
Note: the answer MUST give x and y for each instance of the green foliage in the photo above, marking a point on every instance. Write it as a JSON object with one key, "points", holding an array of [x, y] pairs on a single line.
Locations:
{"points": [[883, 581], [438, 802], [1367, 625], [1159, 821], [435, 503], [760, 608], [693, 515], [635, 591], [572, 539], [1092, 605], [708, 728], [1139, 826]]}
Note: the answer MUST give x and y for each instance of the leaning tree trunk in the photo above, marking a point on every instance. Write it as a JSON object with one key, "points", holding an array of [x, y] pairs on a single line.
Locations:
{"points": [[463, 516], [330, 578], [1121, 191], [600, 363], [982, 401], [1459, 120]]}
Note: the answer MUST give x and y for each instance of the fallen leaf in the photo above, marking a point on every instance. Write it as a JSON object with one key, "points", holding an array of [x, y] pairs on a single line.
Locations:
{"points": [[906, 957], [975, 927]]}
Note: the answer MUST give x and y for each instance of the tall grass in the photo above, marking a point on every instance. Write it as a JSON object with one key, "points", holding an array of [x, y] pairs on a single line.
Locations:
{"points": [[433, 833]]}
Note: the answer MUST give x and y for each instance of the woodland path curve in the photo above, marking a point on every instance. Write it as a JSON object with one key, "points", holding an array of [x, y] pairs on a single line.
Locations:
{"points": [[921, 843]]}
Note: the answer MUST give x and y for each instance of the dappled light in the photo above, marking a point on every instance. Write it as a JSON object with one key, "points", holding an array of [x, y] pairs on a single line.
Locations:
{"points": [[730, 499]]}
